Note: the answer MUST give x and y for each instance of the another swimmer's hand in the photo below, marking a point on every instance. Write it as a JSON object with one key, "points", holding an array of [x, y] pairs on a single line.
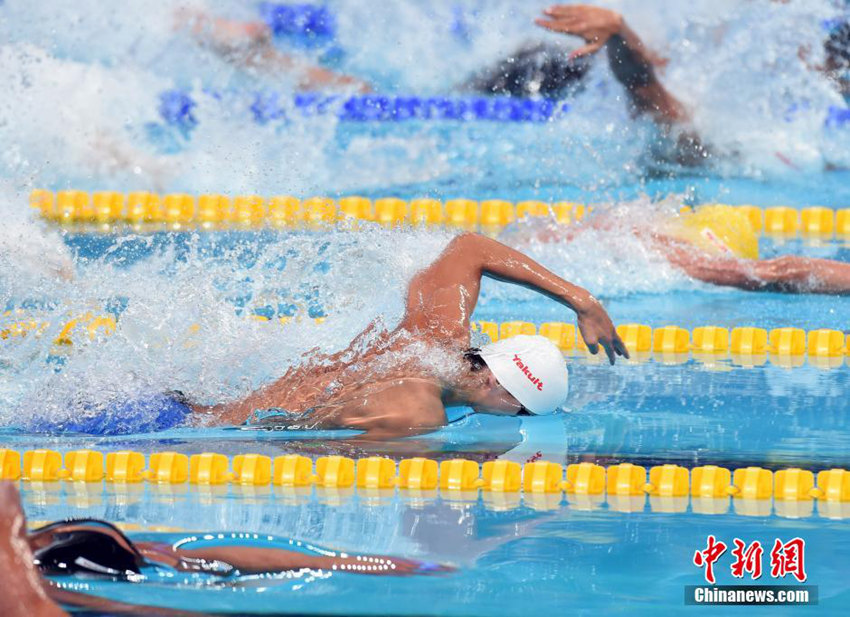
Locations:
{"points": [[597, 329], [595, 25]]}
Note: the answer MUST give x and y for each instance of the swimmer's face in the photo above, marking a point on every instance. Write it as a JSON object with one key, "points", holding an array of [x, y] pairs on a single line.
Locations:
{"points": [[493, 399]]}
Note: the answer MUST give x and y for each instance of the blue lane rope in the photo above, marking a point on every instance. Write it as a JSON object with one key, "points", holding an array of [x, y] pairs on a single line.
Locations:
{"points": [[177, 107]]}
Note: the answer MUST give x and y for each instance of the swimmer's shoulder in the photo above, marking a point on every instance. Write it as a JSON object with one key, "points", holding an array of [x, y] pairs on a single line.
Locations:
{"points": [[407, 403]]}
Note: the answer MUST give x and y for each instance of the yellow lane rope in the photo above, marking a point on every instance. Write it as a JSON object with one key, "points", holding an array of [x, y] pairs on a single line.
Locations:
{"points": [[143, 211], [744, 346], [624, 485]]}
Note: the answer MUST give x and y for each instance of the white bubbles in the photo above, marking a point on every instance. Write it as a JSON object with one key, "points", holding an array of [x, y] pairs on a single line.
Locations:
{"points": [[82, 80], [611, 258], [180, 329], [81, 83]]}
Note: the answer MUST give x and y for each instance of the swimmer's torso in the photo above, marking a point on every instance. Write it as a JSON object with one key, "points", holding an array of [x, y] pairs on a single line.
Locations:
{"points": [[351, 390]]}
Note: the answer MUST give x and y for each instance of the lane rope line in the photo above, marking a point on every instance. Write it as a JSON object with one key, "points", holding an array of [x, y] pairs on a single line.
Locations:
{"points": [[107, 211], [754, 490], [743, 346]]}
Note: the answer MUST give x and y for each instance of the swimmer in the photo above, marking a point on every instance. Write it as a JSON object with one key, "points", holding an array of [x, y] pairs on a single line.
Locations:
{"points": [[392, 384], [94, 548], [539, 69], [714, 244], [549, 70], [250, 45]]}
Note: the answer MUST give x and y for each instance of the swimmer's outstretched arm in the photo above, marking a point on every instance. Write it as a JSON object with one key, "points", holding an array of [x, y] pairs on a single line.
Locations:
{"points": [[258, 560], [25, 593], [796, 274], [630, 60], [633, 66], [249, 44], [441, 298], [790, 273]]}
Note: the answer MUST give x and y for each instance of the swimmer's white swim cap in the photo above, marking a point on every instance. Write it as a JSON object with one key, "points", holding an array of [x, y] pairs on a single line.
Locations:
{"points": [[532, 369]]}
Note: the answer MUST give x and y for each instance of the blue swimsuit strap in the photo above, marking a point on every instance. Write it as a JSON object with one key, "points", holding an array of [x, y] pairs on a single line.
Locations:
{"points": [[268, 416]]}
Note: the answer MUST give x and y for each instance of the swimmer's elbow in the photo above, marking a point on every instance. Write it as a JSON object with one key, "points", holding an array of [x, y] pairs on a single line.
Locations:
{"points": [[475, 244], [466, 240], [471, 248]]}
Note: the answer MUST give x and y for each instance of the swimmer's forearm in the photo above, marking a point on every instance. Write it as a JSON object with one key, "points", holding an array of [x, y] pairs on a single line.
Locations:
{"points": [[256, 560], [790, 273], [830, 277], [629, 57], [632, 66], [504, 263], [795, 274]]}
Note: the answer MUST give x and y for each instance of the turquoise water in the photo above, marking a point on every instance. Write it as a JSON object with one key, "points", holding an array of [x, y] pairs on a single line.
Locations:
{"points": [[691, 414], [560, 556], [82, 109]]}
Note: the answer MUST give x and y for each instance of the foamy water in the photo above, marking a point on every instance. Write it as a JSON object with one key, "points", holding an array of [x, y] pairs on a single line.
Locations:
{"points": [[182, 327], [81, 82], [81, 85]]}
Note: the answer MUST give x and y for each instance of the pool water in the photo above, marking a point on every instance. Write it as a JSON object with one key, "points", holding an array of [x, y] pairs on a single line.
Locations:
{"points": [[183, 301], [563, 557]]}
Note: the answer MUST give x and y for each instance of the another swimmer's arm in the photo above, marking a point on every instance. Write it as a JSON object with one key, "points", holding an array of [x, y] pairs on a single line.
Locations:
{"points": [[249, 44], [723, 271], [225, 36], [25, 592], [255, 560], [789, 273], [795, 274], [630, 60], [632, 67]]}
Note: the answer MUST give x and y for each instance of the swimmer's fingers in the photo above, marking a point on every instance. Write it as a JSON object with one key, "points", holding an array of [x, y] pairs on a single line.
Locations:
{"points": [[594, 42], [609, 350], [587, 50], [620, 347], [557, 25], [564, 10]]}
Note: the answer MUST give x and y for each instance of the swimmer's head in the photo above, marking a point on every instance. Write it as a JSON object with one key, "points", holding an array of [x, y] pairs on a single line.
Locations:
{"points": [[539, 70], [525, 374], [718, 229]]}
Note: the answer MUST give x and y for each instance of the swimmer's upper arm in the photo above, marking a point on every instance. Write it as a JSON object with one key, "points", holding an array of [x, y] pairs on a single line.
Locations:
{"points": [[441, 298]]}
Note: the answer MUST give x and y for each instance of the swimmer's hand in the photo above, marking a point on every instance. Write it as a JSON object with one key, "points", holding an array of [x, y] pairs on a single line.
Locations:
{"points": [[595, 25], [410, 567], [597, 329]]}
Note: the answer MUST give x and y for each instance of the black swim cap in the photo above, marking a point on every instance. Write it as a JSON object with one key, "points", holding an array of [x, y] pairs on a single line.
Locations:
{"points": [[105, 551], [540, 70], [837, 46]]}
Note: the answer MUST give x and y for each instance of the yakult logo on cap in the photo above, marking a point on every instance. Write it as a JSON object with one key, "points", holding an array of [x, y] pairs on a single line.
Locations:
{"points": [[521, 365]]}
